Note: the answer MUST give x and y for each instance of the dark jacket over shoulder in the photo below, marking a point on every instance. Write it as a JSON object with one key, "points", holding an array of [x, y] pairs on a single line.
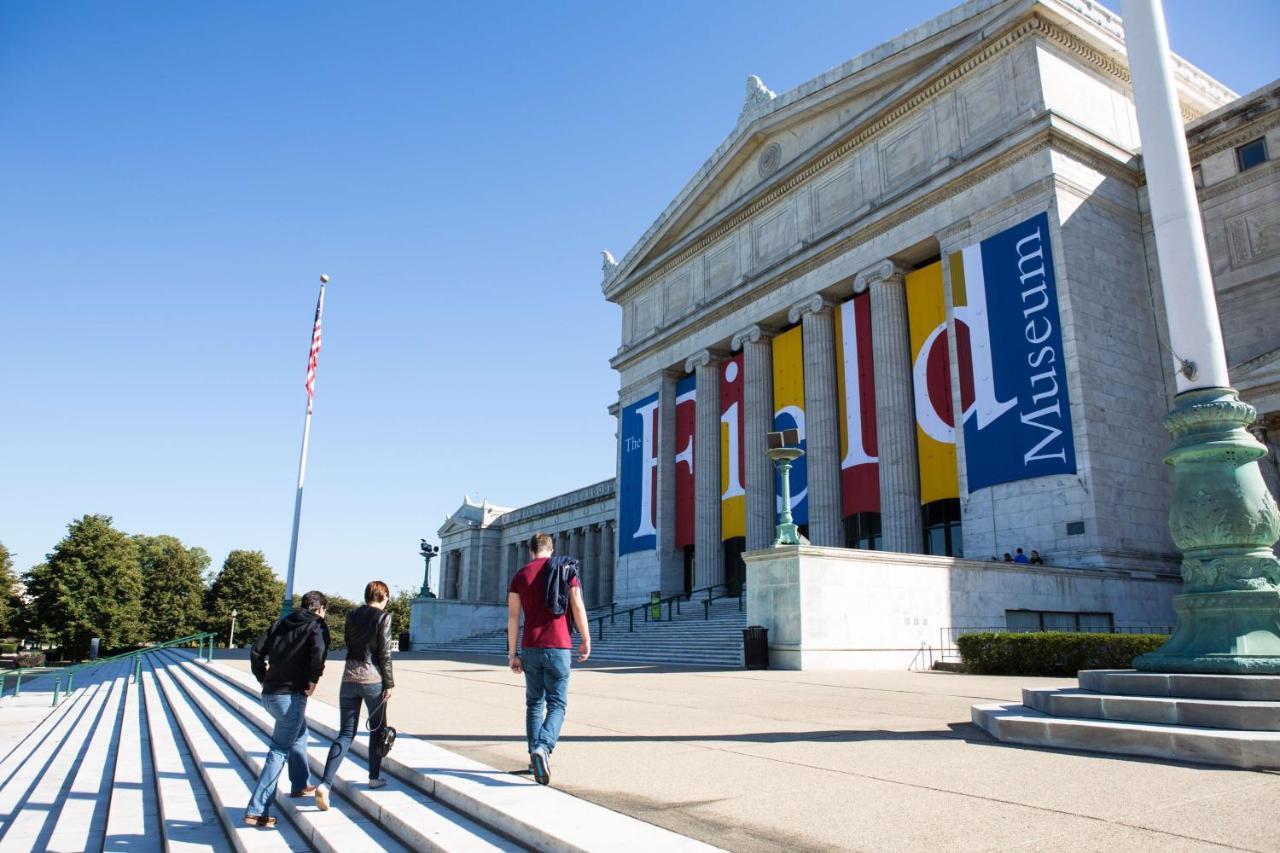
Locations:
{"points": [[290, 656], [369, 644]]}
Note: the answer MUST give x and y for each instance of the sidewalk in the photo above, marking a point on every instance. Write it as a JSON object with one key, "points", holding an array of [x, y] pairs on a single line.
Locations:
{"points": [[755, 761]]}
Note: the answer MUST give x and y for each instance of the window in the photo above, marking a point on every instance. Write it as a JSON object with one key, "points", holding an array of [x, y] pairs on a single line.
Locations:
{"points": [[1056, 620], [862, 530], [1252, 154], [942, 528]]}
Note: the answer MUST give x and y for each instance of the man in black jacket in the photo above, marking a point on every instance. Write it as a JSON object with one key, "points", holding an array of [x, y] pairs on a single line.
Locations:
{"points": [[367, 679], [288, 660]]}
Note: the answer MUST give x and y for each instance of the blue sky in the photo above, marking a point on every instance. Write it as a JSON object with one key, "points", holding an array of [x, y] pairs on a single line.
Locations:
{"points": [[176, 176]]}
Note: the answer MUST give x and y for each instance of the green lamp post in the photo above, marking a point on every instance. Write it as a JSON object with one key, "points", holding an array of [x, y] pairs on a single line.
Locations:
{"points": [[427, 551], [1223, 518], [784, 450]]}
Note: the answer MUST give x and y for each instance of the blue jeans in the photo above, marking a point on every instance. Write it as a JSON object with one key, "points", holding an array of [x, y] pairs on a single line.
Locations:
{"points": [[546, 693], [350, 696], [288, 738]]}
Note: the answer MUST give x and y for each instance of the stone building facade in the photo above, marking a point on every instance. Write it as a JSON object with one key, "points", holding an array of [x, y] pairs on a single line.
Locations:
{"points": [[842, 239]]}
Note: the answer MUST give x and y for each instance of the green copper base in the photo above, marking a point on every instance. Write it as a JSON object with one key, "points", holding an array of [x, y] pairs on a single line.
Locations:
{"points": [[787, 532], [1225, 521]]}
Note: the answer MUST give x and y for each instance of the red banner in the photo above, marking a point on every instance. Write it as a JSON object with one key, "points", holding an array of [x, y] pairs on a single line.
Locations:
{"points": [[686, 421], [859, 462]]}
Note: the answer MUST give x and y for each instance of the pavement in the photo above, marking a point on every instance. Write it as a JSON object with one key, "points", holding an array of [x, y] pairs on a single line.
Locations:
{"points": [[805, 761]]}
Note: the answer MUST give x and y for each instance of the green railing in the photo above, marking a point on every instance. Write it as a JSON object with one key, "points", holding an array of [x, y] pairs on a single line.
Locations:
{"points": [[204, 640], [671, 602]]}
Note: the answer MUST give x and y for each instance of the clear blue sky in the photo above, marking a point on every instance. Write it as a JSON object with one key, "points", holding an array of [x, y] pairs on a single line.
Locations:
{"points": [[175, 176]]}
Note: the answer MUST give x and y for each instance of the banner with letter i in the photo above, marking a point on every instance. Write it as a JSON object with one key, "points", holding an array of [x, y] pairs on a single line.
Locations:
{"points": [[1019, 423], [638, 476]]}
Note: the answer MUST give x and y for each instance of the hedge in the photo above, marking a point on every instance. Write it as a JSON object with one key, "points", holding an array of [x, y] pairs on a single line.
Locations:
{"points": [[1052, 652]]}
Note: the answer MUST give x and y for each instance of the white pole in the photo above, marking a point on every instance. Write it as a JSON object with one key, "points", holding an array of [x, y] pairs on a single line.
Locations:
{"points": [[287, 605], [1195, 335]]}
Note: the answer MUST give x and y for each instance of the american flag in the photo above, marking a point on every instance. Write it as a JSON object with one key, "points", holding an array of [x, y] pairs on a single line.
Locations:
{"points": [[315, 353]]}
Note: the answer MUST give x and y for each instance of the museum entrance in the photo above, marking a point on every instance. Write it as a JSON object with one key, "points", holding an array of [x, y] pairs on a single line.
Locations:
{"points": [[735, 570]]}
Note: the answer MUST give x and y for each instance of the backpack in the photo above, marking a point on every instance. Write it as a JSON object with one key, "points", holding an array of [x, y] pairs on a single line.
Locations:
{"points": [[560, 572]]}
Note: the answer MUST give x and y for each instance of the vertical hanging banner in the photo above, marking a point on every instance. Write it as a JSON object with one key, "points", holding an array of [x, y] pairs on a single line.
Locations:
{"points": [[1018, 424], [733, 456], [856, 388], [931, 379], [686, 423], [638, 474], [788, 413]]}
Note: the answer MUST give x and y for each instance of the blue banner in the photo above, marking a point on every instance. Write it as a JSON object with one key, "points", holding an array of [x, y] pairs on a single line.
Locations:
{"points": [[638, 477], [1018, 424]]}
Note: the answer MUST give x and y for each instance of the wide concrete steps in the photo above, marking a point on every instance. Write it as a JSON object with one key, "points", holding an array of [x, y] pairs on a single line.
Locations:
{"points": [[165, 757], [688, 638], [1208, 719]]}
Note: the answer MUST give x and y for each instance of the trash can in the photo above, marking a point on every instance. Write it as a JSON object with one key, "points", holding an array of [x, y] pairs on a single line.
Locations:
{"points": [[655, 606], [755, 647]]}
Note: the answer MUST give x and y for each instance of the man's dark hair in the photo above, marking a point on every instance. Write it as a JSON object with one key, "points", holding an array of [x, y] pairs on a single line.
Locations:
{"points": [[314, 600]]}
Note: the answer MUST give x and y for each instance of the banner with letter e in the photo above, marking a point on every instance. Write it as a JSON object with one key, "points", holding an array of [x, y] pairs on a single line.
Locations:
{"points": [[1018, 425], [638, 476]]}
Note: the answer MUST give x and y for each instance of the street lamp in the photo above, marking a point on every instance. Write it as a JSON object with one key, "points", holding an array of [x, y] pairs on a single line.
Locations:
{"points": [[427, 551], [231, 640], [784, 449]]}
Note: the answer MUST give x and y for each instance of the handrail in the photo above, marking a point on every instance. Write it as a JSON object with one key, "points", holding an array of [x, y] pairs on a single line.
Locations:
{"points": [[70, 671], [671, 601]]}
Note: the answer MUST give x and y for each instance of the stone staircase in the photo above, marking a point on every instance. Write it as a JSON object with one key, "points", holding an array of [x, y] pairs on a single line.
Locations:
{"points": [[688, 639], [167, 762], [1231, 720]]}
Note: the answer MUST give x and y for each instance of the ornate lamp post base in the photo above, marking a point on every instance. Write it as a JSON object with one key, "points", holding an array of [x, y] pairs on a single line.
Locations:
{"points": [[1224, 520]]}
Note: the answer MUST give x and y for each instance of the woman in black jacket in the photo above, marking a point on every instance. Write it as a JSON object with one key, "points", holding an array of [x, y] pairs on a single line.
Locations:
{"points": [[368, 679]]}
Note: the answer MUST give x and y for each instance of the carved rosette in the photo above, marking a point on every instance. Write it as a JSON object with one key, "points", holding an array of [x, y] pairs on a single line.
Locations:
{"points": [[1223, 517]]}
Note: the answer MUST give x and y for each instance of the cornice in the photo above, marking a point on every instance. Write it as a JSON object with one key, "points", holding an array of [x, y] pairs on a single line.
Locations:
{"points": [[1245, 133], [1032, 26]]}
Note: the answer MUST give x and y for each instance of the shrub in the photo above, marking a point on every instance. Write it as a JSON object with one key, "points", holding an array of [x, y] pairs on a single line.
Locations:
{"points": [[1052, 652], [29, 659], [8, 648]]}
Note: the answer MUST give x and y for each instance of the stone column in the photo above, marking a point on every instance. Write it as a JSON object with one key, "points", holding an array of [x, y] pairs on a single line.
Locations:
{"points": [[900, 524], [607, 562], [591, 566], [822, 413], [575, 544], [757, 417], [708, 549], [668, 566]]}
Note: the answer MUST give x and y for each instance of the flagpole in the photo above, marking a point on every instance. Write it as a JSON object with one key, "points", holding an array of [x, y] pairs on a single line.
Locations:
{"points": [[287, 605]]}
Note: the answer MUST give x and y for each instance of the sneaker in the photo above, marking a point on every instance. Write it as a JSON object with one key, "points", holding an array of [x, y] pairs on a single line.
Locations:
{"points": [[377, 783], [322, 797], [541, 765]]}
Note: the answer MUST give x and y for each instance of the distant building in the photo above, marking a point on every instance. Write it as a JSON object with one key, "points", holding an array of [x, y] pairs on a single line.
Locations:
{"points": [[935, 261]]}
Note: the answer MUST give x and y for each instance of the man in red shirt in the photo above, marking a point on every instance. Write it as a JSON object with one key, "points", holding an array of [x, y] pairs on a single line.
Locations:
{"points": [[544, 652]]}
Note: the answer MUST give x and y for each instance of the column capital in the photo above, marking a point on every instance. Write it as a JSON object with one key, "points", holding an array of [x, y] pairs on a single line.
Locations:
{"points": [[702, 358], [812, 305], [886, 271], [750, 335]]}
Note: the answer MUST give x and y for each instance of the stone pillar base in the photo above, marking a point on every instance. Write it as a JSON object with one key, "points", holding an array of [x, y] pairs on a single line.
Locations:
{"points": [[1233, 632]]}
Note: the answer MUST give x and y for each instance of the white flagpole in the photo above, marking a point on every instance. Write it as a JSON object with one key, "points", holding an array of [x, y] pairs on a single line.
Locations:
{"points": [[287, 604]]}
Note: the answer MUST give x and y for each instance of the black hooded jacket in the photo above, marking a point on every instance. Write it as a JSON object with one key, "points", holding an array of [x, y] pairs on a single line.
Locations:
{"points": [[289, 657]]}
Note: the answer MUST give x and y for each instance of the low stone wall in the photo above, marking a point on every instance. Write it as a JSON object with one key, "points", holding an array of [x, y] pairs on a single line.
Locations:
{"points": [[434, 621], [834, 608]]}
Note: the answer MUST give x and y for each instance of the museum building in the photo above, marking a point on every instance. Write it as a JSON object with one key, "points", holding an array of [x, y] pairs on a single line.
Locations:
{"points": [[936, 263]]}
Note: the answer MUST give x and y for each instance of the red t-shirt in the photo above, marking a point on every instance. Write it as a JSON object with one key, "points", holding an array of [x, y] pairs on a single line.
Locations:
{"points": [[541, 629]]}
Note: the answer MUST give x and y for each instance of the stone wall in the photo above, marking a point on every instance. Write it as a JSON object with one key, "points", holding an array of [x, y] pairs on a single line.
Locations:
{"points": [[433, 621]]}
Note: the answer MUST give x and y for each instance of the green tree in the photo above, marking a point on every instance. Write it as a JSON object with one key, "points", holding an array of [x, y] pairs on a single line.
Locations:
{"points": [[399, 606], [173, 578], [9, 603], [89, 586], [336, 618], [247, 585]]}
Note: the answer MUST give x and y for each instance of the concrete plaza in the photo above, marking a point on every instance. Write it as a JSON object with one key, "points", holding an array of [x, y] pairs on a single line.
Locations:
{"points": [[772, 760]]}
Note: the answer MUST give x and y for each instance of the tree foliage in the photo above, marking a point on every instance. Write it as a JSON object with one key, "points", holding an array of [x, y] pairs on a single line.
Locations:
{"points": [[173, 578], [89, 586], [247, 585], [399, 606], [336, 618], [8, 598]]}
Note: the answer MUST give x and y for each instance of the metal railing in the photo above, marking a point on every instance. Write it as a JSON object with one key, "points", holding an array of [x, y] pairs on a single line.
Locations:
{"points": [[672, 604], [204, 639]]}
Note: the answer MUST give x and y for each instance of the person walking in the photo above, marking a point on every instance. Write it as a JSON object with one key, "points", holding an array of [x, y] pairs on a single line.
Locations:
{"points": [[288, 661], [546, 589], [367, 678]]}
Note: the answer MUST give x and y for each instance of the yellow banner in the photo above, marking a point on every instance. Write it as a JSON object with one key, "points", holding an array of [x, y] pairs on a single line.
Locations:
{"points": [[931, 379], [788, 409]]}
